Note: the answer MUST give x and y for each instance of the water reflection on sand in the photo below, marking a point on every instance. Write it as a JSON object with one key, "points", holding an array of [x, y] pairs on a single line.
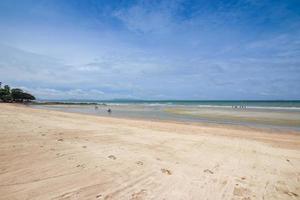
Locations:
{"points": [[253, 117]]}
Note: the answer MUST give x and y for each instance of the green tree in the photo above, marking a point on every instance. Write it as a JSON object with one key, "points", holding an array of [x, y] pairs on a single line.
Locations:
{"points": [[28, 97], [6, 98], [4, 93], [19, 96], [7, 89], [15, 94]]}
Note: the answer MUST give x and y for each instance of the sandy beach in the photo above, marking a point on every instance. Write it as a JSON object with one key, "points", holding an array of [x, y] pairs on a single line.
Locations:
{"points": [[55, 155]]}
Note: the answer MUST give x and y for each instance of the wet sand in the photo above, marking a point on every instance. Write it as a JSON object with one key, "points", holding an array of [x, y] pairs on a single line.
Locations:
{"points": [[55, 155], [268, 118]]}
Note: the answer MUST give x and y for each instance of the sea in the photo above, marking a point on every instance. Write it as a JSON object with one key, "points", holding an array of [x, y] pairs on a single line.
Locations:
{"points": [[279, 115]]}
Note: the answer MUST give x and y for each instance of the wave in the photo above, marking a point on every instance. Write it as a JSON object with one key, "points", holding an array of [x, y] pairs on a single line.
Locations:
{"points": [[268, 107]]}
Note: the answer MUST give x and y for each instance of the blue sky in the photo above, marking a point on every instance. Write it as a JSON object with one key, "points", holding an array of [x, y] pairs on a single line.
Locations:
{"points": [[105, 49]]}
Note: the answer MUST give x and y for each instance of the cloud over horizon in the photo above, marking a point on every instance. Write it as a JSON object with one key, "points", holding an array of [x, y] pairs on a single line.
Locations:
{"points": [[151, 49]]}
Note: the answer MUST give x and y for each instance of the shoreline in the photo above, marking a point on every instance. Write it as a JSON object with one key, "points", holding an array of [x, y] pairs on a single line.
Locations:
{"points": [[236, 128], [221, 124], [48, 154], [236, 105]]}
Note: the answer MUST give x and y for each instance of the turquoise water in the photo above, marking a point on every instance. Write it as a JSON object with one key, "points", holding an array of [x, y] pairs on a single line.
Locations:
{"points": [[251, 104], [259, 114]]}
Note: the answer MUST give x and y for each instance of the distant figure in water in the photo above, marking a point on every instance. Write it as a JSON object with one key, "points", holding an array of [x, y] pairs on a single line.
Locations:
{"points": [[96, 107], [109, 110]]}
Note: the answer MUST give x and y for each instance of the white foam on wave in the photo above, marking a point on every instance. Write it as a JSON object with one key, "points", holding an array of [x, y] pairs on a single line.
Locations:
{"points": [[206, 106]]}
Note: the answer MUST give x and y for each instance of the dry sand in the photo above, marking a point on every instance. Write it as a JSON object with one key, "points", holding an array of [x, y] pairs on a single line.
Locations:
{"points": [[55, 155]]}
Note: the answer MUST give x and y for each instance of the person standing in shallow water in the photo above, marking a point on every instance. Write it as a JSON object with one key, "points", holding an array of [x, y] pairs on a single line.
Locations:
{"points": [[109, 111]]}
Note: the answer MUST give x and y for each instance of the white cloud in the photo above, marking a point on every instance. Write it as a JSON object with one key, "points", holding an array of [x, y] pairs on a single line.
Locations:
{"points": [[156, 49]]}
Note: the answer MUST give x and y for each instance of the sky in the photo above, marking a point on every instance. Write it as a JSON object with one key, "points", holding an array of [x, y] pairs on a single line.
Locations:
{"points": [[108, 49]]}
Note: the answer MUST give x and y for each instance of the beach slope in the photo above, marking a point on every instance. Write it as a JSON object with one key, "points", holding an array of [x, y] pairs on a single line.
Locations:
{"points": [[54, 155]]}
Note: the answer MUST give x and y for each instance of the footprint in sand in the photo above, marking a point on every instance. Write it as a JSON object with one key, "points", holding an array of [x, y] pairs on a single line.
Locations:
{"points": [[291, 194], [60, 140], [241, 192], [112, 157], [139, 195], [280, 188], [166, 171], [208, 171], [98, 196], [81, 166], [84, 147], [139, 163]]}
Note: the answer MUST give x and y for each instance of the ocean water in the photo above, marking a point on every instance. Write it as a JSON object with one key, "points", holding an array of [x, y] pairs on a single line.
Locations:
{"points": [[250, 104], [282, 115]]}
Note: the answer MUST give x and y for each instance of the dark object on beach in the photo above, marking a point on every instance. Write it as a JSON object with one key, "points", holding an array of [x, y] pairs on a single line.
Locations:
{"points": [[96, 107], [109, 110], [166, 171], [112, 157], [208, 171], [139, 163], [238, 106]]}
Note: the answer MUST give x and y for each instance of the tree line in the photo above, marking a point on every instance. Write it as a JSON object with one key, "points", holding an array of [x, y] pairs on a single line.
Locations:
{"points": [[14, 95]]}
